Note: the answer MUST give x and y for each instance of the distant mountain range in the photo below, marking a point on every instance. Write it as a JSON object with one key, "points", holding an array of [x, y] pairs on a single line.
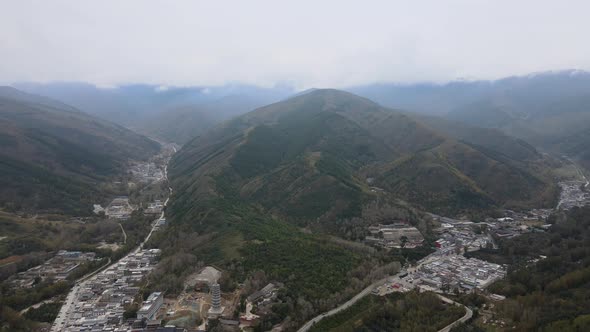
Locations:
{"points": [[54, 158], [547, 109], [174, 114], [550, 110]]}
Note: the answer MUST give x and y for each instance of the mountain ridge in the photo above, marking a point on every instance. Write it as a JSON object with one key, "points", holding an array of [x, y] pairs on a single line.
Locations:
{"points": [[325, 128], [51, 150]]}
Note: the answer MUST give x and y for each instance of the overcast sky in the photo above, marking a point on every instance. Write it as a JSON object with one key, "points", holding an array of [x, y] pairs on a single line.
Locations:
{"points": [[306, 43]]}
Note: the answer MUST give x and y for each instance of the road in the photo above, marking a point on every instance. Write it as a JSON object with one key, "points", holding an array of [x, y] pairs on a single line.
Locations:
{"points": [[124, 234], [580, 172], [155, 223], [73, 294], [368, 290], [82, 278], [343, 306], [465, 318]]}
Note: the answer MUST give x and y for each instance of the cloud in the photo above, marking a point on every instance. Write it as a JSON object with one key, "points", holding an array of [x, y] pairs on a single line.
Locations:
{"points": [[311, 43]]}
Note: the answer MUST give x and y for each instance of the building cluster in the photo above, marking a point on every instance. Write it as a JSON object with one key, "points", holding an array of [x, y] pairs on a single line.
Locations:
{"points": [[457, 236], [146, 172], [154, 207], [119, 208], [57, 268], [508, 227], [396, 235], [534, 215], [572, 195], [456, 272], [98, 304]]}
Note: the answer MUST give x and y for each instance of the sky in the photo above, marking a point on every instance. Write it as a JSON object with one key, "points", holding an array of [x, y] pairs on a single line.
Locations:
{"points": [[319, 43]]}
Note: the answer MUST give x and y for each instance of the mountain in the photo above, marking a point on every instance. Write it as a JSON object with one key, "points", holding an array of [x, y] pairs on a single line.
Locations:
{"points": [[286, 192], [54, 158], [182, 123], [550, 110], [426, 98], [312, 157], [174, 114], [489, 139]]}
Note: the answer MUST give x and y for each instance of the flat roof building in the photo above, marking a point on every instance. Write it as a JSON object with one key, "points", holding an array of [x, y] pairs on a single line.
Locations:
{"points": [[151, 306]]}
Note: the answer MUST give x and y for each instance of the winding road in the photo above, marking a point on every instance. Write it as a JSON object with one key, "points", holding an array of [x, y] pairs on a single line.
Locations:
{"points": [[367, 291], [465, 318], [343, 306]]}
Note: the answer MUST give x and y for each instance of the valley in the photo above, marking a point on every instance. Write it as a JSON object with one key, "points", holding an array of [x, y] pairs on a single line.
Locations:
{"points": [[52, 281], [323, 211]]}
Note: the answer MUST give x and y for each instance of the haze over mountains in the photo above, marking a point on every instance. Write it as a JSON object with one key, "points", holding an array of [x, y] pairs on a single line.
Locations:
{"points": [[545, 110], [548, 109], [174, 114], [294, 166]]}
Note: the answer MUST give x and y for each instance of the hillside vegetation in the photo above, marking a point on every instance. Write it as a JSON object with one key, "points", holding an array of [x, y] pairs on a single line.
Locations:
{"points": [[259, 193], [411, 311], [548, 285], [549, 109], [312, 157], [54, 158]]}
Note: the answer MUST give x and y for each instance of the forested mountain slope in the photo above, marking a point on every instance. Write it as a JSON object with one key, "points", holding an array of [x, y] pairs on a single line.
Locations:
{"points": [[313, 156], [269, 194], [53, 157], [550, 110]]}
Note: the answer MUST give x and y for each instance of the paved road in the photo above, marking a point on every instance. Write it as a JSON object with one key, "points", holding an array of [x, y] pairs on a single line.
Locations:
{"points": [[465, 318], [368, 290], [72, 295], [343, 306]]}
